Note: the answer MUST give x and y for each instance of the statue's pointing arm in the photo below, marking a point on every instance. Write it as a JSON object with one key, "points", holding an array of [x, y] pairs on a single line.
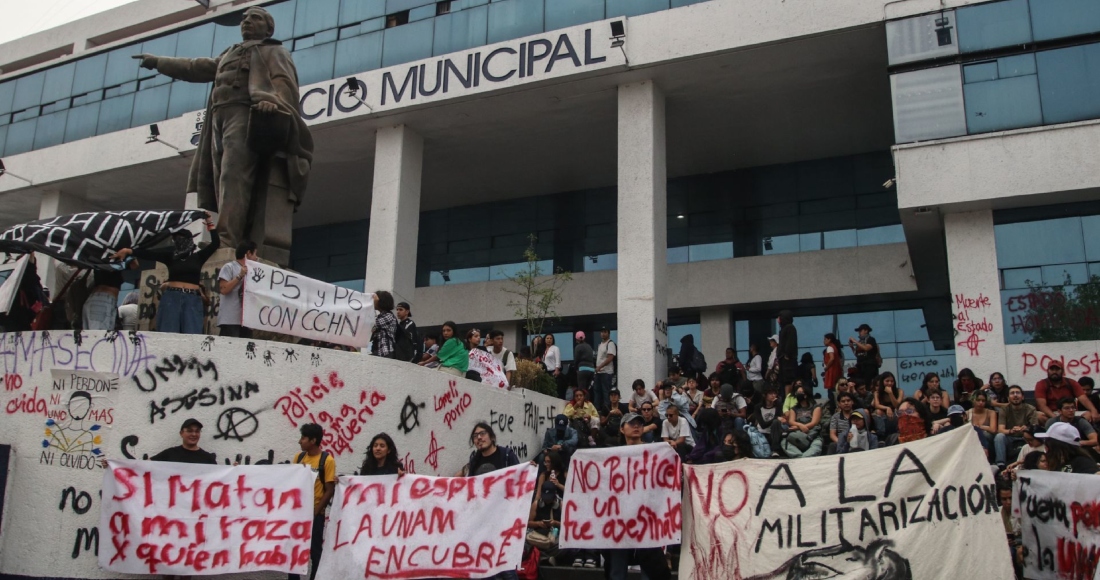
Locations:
{"points": [[194, 70]]}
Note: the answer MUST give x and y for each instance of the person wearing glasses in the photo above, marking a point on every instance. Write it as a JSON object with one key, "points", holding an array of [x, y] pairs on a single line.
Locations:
{"points": [[676, 432], [487, 456], [651, 423]]}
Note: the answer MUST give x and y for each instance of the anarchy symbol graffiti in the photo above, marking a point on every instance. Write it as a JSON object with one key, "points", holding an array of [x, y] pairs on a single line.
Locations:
{"points": [[236, 423], [410, 415]]}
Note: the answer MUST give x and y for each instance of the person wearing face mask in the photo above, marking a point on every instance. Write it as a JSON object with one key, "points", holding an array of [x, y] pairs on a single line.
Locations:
{"points": [[561, 438], [913, 421], [804, 422], [181, 302], [381, 457]]}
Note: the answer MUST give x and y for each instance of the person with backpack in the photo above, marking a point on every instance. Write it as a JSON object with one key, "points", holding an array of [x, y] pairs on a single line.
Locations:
{"points": [[730, 370], [407, 344], [321, 463], [691, 359], [505, 357], [605, 368]]}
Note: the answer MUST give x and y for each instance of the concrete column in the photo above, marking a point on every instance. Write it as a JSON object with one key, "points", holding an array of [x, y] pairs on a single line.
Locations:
{"points": [[511, 330], [395, 212], [55, 203], [716, 331], [642, 298], [975, 293]]}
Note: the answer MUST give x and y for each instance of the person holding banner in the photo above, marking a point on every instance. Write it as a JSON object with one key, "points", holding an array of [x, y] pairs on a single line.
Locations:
{"points": [[321, 463], [231, 288], [382, 338], [381, 457]]}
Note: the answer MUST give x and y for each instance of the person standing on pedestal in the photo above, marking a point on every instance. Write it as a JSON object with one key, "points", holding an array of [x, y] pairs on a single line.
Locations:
{"points": [[253, 105]]}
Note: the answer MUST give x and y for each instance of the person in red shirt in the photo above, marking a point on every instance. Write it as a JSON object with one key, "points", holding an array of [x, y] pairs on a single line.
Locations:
{"points": [[1055, 387]]}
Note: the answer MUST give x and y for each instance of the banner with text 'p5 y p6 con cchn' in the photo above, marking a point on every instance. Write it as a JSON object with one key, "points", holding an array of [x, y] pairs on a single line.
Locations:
{"points": [[622, 497], [187, 519], [1059, 524], [926, 509], [416, 526], [282, 301]]}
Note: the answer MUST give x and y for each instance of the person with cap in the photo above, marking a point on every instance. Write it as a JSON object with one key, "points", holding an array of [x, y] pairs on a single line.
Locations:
{"points": [[956, 417], [1058, 386], [773, 358], [859, 437], [731, 406], [606, 353], [584, 359], [611, 416], [560, 438], [188, 451], [407, 343], [1067, 413], [867, 354], [650, 560], [1064, 452]]}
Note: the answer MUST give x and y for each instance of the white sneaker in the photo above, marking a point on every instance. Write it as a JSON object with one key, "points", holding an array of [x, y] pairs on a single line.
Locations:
{"points": [[590, 563], [578, 563]]}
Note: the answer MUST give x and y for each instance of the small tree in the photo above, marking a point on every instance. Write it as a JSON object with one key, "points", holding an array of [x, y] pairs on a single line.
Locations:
{"points": [[536, 293], [1058, 313]]}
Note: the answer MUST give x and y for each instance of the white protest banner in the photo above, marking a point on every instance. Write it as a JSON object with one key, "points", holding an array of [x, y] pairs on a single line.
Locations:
{"points": [[415, 526], [622, 497], [11, 273], [81, 410], [278, 300], [187, 519], [917, 510], [488, 367], [1060, 524]]}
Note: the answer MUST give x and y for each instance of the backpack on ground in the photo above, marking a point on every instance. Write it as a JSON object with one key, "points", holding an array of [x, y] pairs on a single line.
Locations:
{"points": [[761, 449]]}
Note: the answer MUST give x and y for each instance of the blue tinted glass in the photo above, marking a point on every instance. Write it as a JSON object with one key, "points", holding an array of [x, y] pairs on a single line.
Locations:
{"points": [[514, 18], [82, 122], [779, 244], [910, 349], [504, 271], [675, 333], [1061, 18], [1015, 66], [980, 72], [50, 130], [1090, 226], [3, 137], [89, 74], [1003, 104], [809, 242], [303, 43], [407, 43], [909, 325], [195, 42], [715, 251], [812, 331], [1094, 271], [634, 7], [882, 324], [601, 262], [421, 13], [59, 83], [20, 137], [28, 91], [314, 64], [461, 30], [566, 13], [283, 14], [359, 10], [358, 54], [121, 66], [7, 95], [114, 114], [881, 235], [1056, 241], [679, 3], [993, 25], [394, 6], [677, 255], [53, 107], [1018, 322], [325, 36], [372, 25], [887, 349], [186, 97], [1069, 80], [1064, 274], [24, 115], [316, 15], [460, 276], [163, 46], [151, 105], [226, 36], [1017, 278], [122, 89]]}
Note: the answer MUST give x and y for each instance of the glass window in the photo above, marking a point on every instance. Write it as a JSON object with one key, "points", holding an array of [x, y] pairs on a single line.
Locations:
{"points": [[601, 262], [121, 66], [1062, 18], [195, 42], [514, 19], [7, 95], [504, 271], [316, 15], [89, 74], [50, 130], [1090, 227], [59, 83], [1069, 81], [1015, 66], [675, 333], [151, 105], [407, 43], [634, 7], [928, 104], [82, 122], [993, 25], [882, 322], [840, 239], [114, 114], [226, 35], [358, 54], [461, 30], [20, 137], [1065, 274], [812, 330], [1003, 104], [714, 251], [28, 91], [314, 64], [1017, 278], [788, 244], [1057, 241], [325, 36], [922, 37], [352, 11], [394, 6], [422, 13], [3, 138], [162, 46], [809, 242], [881, 235], [677, 255], [283, 13], [186, 97], [566, 13]]}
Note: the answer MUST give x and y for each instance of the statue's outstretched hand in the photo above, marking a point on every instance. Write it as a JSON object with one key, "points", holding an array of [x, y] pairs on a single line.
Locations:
{"points": [[146, 60], [266, 107]]}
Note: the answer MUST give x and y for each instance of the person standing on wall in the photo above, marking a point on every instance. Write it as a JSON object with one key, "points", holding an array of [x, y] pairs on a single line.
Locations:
{"points": [[505, 357], [385, 326], [787, 359], [321, 463], [605, 368], [231, 287], [584, 358], [407, 344], [868, 359], [100, 311]]}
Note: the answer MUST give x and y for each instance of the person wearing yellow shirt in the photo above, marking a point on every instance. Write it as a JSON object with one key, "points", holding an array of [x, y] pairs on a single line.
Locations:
{"points": [[322, 464]]}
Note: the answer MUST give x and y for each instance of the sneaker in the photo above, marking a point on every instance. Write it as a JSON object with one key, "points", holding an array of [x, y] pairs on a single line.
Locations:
{"points": [[577, 562], [590, 563], [553, 561]]}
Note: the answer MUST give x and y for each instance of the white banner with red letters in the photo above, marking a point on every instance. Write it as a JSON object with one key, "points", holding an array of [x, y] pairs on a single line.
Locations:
{"points": [[486, 365], [416, 526], [186, 519], [622, 497], [1060, 524], [286, 302]]}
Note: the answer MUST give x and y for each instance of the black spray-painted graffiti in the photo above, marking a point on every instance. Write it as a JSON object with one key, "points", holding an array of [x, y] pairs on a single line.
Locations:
{"points": [[291, 356], [535, 417], [130, 441], [81, 503], [315, 359], [204, 397], [177, 365], [237, 423], [250, 350], [501, 422], [410, 415], [207, 343]]}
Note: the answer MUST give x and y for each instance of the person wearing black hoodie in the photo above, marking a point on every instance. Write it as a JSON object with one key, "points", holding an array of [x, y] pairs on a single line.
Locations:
{"points": [[788, 349]]}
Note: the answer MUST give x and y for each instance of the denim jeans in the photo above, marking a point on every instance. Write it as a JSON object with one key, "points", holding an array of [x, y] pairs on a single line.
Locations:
{"points": [[179, 312], [601, 390]]}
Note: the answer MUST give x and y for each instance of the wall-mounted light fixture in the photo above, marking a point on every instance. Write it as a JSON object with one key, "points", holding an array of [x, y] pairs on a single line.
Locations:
{"points": [[446, 275], [943, 30], [4, 171], [352, 84], [618, 38], [154, 137]]}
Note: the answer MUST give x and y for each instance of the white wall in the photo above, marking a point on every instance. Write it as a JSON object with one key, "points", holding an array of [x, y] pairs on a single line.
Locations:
{"points": [[198, 376]]}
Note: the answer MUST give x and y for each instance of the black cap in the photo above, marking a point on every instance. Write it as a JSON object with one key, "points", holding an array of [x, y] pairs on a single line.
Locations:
{"points": [[613, 391], [192, 422], [406, 306], [864, 326], [605, 329]]}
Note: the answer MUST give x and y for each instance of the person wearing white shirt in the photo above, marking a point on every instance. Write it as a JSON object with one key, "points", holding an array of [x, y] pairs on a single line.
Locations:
{"points": [[676, 433], [605, 368], [755, 371], [773, 358], [495, 346]]}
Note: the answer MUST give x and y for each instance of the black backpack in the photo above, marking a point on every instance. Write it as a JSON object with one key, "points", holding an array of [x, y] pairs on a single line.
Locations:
{"points": [[698, 362], [320, 465]]}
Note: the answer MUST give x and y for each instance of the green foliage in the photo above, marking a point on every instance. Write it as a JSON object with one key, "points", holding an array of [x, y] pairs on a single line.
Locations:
{"points": [[536, 293], [529, 375], [1063, 313]]}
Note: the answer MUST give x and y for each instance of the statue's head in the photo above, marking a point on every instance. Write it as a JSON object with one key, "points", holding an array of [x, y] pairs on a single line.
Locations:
{"points": [[257, 24]]}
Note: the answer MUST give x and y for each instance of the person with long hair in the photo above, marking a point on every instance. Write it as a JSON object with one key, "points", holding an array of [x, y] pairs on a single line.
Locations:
{"points": [[931, 384], [538, 348], [1064, 451], [804, 422], [382, 341], [833, 363], [984, 421], [913, 420], [807, 371], [453, 356], [381, 457], [1036, 460], [964, 386], [997, 389], [888, 397]]}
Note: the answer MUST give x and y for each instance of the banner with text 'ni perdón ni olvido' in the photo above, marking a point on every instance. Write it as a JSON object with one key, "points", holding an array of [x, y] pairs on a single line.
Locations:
{"points": [[188, 519], [416, 526], [286, 302], [1059, 524], [622, 498], [922, 510]]}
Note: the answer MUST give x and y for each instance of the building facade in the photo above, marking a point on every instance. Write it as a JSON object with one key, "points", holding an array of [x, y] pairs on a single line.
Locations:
{"points": [[925, 167]]}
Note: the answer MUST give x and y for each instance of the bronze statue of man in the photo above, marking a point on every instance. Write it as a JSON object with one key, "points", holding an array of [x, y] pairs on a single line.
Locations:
{"points": [[252, 139]]}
